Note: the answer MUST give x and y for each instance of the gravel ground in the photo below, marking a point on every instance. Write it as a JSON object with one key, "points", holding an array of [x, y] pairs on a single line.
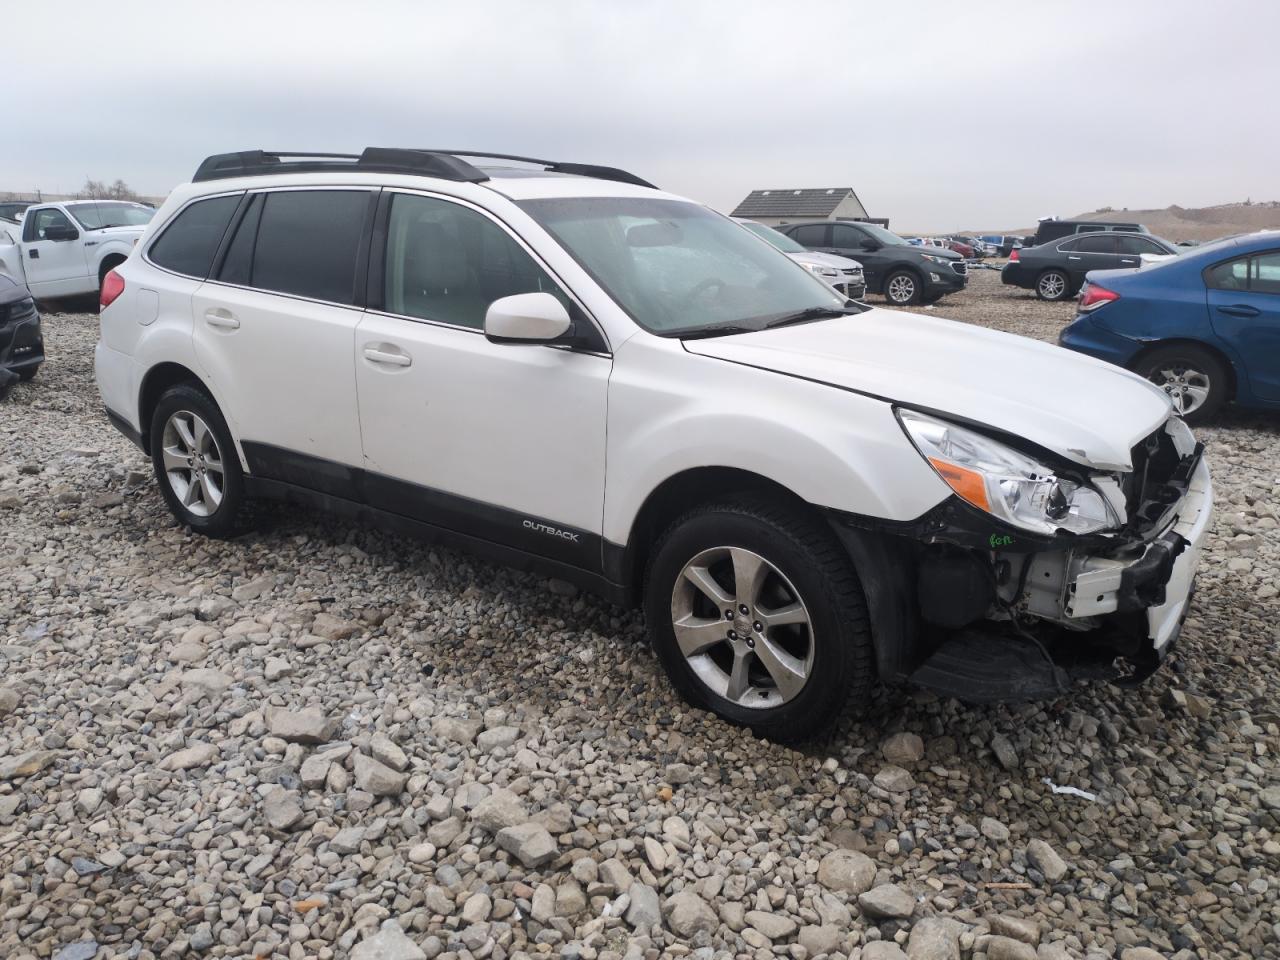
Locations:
{"points": [[317, 741]]}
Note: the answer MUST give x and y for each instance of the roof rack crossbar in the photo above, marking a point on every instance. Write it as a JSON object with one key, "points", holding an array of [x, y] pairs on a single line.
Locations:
{"points": [[445, 164]]}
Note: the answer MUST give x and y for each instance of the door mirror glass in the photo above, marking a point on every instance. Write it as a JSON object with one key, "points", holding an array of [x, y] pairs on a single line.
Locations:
{"points": [[526, 318], [60, 231], [869, 245]]}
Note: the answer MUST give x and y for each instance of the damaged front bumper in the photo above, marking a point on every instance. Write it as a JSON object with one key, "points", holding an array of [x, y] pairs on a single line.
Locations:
{"points": [[987, 612]]}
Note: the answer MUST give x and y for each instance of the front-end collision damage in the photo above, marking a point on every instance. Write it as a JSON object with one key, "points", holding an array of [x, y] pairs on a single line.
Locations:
{"points": [[984, 610]]}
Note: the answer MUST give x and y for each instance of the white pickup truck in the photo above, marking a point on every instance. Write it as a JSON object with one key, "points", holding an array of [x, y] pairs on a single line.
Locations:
{"points": [[65, 249]]}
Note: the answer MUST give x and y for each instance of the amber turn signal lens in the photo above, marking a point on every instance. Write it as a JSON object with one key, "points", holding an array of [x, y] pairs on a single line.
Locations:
{"points": [[967, 483]]}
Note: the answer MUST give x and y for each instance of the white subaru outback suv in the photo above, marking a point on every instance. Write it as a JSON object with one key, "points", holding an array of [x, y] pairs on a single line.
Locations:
{"points": [[566, 368]]}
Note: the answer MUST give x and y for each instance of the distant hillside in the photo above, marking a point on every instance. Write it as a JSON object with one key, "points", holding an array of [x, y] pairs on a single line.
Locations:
{"points": [[1188, 223]]}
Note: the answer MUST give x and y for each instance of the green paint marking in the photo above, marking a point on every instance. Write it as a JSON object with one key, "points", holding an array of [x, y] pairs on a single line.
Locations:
{"points": [[1000, 540]]}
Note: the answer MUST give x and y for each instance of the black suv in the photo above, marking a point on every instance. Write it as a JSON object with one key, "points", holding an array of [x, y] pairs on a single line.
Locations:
{"points": [[902, 273], [1056, 270], [1054, 229]]}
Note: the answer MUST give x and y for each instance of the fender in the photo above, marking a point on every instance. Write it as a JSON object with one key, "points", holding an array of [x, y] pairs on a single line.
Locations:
{"points": [[111, 248]]}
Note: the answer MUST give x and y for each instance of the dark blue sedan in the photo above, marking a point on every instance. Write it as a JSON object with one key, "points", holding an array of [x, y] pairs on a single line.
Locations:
{"points": [[1204, 326]]}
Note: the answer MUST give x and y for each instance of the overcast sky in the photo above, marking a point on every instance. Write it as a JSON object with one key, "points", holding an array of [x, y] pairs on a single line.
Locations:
{"points": [[942, 115]]}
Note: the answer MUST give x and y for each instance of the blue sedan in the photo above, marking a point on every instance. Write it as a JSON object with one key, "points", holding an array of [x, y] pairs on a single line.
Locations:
{"points": [[1204, 326]]}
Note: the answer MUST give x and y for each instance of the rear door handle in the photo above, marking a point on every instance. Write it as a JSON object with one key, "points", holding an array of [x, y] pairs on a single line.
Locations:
{"points": [[223, 319], [1128, 260], [1073, 258], [385, 353], [1239, 310]]}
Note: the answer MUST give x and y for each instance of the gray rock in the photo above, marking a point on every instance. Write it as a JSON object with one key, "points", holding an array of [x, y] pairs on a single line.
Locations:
{"points": [[282, 810], [903, 748], [328, 627], [894, 779], [615, 873], [498, 810], [530, 843], [308, 725], [824, 938], [643, 911], [847, 871], [775, 926], [882, 950], [497, 737], [277, 668], [477, 908], [314, 771], [377, 779], [389, 943], [387, 752], [934, 938], [347, 840], [455, 729], [196, 755], [9, 701], [1002, 747], [1006, 948], [688, 914], [1028, 931], [994, 830], [26, 764], [80, 950], [204, 683], [888, 900], [1270, 798], [1045, 859]]}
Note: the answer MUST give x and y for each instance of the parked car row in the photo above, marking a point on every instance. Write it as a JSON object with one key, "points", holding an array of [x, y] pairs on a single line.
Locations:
{"points": [[841, 273], [1056, 270]]}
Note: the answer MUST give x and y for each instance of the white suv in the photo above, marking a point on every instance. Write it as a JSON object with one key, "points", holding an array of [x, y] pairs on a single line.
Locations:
{"points": [[563, 366]]}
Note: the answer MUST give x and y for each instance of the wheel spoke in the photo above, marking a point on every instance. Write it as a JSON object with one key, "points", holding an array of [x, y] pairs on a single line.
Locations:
{"points": [[701, 578], [200, 433], [787, 672], [209, 492], [191, 494], [697, 635], [749, 572], [173, 458], [791, 613], [183, 429], [1196, 395], [739, 677]]}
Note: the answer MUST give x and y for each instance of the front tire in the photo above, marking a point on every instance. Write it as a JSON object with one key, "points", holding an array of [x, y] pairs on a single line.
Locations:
{"points": [[1053, 285], [903, 288], [27, 374], [1196, 381], [195, 461], [757, 615]]}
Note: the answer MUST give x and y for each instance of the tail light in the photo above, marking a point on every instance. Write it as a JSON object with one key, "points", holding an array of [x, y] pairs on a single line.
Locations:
{"points": [[112, 287], [1094, 296], [1013, 256]]}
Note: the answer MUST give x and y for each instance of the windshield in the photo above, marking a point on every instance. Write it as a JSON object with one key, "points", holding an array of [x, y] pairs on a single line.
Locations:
{"points": [[678, 268], [95, 216], [887, 237], [779, 240]]}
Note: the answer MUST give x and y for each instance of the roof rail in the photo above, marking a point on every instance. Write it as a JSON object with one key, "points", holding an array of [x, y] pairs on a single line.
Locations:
{"points": [[260, 163], [556, 166], [445, 164]]}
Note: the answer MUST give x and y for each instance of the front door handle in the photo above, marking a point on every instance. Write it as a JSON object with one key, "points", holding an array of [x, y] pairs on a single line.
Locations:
{"points": [[223, 319], [1073, 258], [385, 353], [33, 253], [1239, 310]]}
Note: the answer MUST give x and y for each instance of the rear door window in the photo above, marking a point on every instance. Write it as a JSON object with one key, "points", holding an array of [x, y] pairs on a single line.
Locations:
{"points": [[811, 234], [1232, 275], [1133, 244], [1264, 273], [846, 237], [1097, 243], [189, 242], [307, 243]]}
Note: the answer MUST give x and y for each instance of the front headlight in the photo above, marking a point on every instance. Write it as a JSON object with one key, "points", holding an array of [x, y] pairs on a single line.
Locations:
{"points": [[1005, 483], [821, 271], [932, 259]]}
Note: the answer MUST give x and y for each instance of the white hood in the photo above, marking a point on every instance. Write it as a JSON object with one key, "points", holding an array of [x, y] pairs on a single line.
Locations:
{"points": [[1080, 408], [825, 260]]}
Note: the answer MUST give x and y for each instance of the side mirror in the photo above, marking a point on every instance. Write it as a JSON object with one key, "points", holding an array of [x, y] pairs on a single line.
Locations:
{"points": [[869, 245], [526, 318], [60, 231]]}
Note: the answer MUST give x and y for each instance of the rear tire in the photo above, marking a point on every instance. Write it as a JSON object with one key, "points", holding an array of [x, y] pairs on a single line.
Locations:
{"points": [[1195, 379], [195, 461], [1053, 285], [805, 621], [902, 288]]}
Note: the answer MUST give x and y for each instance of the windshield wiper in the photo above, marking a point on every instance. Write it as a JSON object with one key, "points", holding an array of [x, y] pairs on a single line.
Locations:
{"points": [[811, 313], [716, 330]]}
